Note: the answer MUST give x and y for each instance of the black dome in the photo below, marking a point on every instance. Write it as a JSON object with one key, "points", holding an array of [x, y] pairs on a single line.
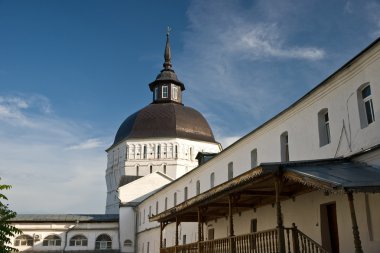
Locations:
{"points": [[165, 120]]}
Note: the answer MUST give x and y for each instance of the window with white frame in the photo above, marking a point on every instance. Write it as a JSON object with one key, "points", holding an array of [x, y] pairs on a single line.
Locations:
{"points": [[366, 109], [230, 170], [103, 242], [284, 141], [78, 240], [52, 240], [212, 180], [174, 93], [254, 158], [198, 187], [23, 240], [324, 127], [165, 91]]}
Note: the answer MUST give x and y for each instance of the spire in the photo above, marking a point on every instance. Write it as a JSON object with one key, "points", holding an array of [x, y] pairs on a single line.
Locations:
{"points": [[167, 54]]}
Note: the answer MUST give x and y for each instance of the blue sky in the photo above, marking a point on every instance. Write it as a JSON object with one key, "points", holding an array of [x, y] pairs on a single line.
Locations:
{"points": [[72, 71]]}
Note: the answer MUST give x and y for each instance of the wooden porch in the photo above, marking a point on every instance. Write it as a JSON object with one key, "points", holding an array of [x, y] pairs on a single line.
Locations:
{"points": [[260, 242], [267, 184]]}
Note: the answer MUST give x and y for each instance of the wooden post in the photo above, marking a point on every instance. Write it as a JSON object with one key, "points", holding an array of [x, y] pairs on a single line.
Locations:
{"points": [[280, 226], [230, 218], [355, 230], [199, 230], [231, 223], [176, 231], [161, 228], [296, 245]]}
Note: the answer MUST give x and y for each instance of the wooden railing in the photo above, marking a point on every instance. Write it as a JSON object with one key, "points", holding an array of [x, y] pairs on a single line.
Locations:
{"points": [[260, 242]]}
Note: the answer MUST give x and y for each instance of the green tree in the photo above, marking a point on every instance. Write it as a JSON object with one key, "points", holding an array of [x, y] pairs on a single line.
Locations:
{"points": [[6, 229]]}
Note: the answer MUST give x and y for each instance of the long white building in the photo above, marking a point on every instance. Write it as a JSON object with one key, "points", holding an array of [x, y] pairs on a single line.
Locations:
{"points": [[307, 180]]}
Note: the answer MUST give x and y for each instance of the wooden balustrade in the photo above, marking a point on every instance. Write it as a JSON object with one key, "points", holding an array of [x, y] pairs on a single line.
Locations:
{"points": [[260, 242]]}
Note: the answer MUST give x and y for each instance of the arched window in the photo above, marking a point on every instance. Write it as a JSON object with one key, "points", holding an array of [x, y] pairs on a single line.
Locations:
{"points": [[185, 193], [23, 240], [175, 199], [103, 241], [284, 140], [191, 153], [166, 203], [155, 93], [366, 111], [230, 170], [176, 151], [128, 243], [158, 151], [198, 187], [254, 158], [78, 240], [212, 180], [52, 240], [324, 127], [145, 152]]}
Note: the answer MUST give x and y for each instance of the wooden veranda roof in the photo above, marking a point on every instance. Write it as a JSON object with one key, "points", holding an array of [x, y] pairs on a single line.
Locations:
{"points": [[256, 187]]}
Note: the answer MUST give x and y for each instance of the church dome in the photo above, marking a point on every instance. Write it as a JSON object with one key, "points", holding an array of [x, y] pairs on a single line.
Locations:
{"points": [[162, 120], [166, 116]]}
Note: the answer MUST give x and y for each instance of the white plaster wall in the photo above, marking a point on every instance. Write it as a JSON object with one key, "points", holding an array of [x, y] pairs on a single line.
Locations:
{"points": [[122, 162], [90, 230], [127, 219], [300, 121]]}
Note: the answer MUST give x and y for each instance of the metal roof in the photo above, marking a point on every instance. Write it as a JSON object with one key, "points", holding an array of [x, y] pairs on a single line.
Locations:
{"points": [[340, 174], [165, 120], [66, 218]]}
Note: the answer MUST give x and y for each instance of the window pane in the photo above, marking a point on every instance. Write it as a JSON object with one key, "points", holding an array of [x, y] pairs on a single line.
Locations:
{"points": [[84, 243], [369, 111], [72, 243], [366, 92]]}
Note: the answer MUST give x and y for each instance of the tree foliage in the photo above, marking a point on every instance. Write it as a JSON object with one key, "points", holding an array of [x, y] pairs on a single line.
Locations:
{"points": [[7, 231]]}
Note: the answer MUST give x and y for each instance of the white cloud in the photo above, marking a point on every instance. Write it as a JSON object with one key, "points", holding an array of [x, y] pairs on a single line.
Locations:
{"points": [[87, 144], [263, 41], [48, 173]]}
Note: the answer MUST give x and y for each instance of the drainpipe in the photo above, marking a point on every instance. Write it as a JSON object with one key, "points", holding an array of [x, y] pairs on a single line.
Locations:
{"points": [[71, 227]]}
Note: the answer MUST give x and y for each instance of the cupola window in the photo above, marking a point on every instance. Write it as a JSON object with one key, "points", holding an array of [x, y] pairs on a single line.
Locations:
{"points": [[324, 127], [174, 92], [156, 93], [165, 91]]}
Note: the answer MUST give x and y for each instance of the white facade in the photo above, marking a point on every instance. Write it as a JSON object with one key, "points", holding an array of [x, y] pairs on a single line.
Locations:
{"points": [[349, 133], [62, 235], [173, 157], [338, 118]]}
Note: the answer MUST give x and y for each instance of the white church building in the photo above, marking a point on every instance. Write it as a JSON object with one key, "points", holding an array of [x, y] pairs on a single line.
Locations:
{"points": [[307, 180]]}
